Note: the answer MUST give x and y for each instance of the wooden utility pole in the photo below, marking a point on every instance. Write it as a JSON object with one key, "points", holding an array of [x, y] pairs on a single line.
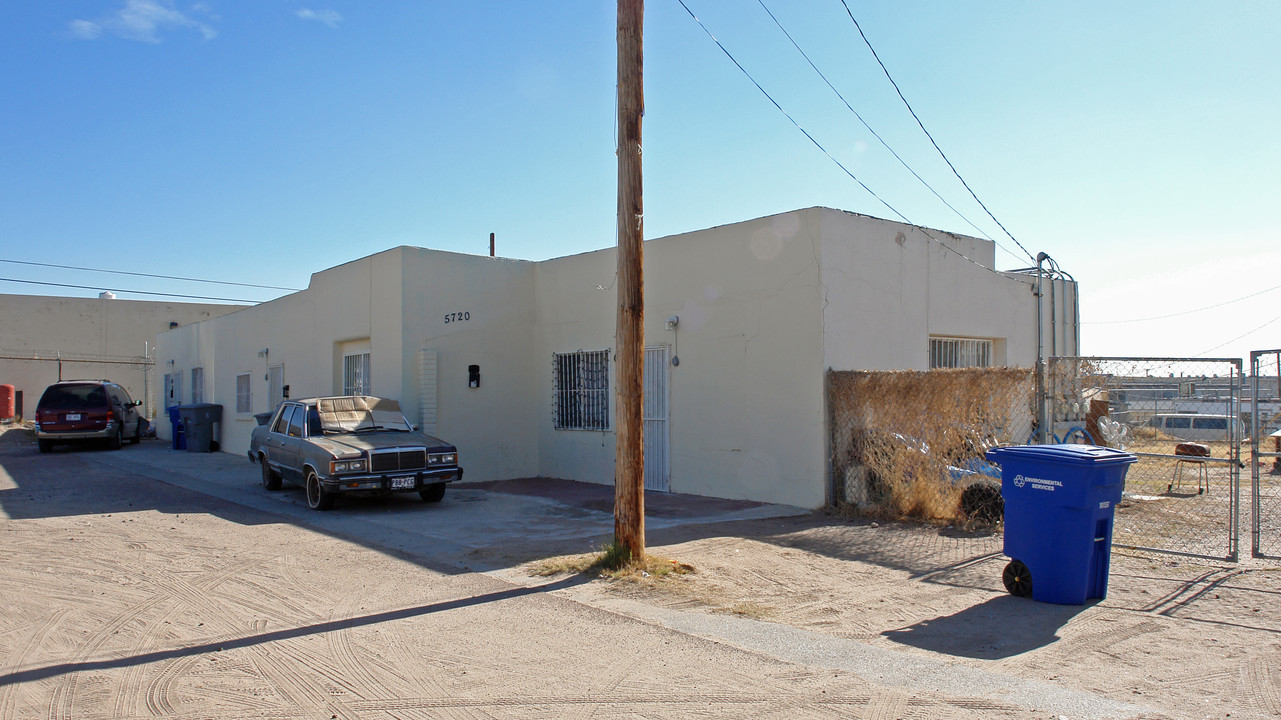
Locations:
{"points": [[629, 457]]}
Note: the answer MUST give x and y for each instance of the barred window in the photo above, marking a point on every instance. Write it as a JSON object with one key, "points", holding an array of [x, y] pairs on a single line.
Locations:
{"points": [[244, 394], [356, 374], [582, 390], [960, 353]]}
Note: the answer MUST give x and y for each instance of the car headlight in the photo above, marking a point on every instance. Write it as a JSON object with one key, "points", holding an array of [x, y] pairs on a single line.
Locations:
{"points": [[346, 466], [444, 458]]}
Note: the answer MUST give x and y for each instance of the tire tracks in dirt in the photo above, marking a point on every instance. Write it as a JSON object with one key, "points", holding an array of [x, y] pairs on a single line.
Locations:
{"points": [[1259, 682], [32, 641]]}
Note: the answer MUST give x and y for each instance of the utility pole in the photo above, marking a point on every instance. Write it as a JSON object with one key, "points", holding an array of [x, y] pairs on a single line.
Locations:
{"points": [[629, 458]]}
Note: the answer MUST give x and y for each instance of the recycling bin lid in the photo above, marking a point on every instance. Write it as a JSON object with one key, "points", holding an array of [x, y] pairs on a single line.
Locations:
{"points": [[1071, 454]]}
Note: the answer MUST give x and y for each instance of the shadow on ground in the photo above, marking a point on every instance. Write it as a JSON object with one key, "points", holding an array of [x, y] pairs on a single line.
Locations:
{"points": [[998, 628]]}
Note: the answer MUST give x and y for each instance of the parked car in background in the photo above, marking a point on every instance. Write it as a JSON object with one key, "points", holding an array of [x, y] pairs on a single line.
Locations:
{"points": [[74, 411], [350, 444]]}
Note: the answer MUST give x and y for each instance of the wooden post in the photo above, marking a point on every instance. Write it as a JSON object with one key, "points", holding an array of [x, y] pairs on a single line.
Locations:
{"points": [[629, 458]]}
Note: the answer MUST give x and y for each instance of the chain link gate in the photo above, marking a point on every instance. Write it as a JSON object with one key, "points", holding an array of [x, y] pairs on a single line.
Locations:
{"points": [[1265, 453], [1183, 419], [32, 373]]}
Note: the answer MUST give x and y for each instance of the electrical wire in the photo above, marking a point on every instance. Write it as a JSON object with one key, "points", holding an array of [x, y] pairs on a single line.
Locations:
{"points": [[1239, 337], [869, 127], [829, 155], [132, 292], [148, 275], [774, 102], [927, 132], [1185, 312]]}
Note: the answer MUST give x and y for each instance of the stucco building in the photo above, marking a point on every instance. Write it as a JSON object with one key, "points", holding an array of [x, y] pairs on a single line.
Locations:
{"points": [[44, 338], [512, 360]]}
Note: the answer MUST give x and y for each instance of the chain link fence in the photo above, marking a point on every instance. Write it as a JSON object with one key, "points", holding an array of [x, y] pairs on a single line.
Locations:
{"points": [[31, 373], [1265, 453], [912, 444], [1182, 418]]}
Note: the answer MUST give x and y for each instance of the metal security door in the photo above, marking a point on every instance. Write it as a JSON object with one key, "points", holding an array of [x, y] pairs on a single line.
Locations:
{"points": [[656, 421]]}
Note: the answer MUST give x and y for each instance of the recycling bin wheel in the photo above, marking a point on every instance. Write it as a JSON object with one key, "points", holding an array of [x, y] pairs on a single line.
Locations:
{"points": [[1017, 578]]}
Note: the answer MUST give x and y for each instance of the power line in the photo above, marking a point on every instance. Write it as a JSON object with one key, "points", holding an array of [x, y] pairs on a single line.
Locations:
{"points": [[774, 102], [132, 292], [869, 127], [927, 132], [1185, 312], [148, 275], [829, 155], [1239, 337]]}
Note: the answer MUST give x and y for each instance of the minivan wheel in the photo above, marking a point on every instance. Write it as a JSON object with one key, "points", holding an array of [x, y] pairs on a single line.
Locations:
{"points": [[137, 434], [317, 497], [117, 438], [44, 445]]}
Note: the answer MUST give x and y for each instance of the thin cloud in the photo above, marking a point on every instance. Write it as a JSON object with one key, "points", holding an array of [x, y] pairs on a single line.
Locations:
{"points": [[328, 17], [144, 21]]}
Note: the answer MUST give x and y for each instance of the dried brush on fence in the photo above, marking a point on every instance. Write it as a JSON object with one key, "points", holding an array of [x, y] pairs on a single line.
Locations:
{"points": [[905, 443]]}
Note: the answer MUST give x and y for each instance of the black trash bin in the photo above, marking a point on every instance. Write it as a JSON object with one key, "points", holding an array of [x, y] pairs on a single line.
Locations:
{"points": [[198, 425]]}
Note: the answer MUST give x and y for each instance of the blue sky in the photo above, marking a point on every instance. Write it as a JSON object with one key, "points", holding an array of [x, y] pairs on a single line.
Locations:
{"points": [[259, 142]]}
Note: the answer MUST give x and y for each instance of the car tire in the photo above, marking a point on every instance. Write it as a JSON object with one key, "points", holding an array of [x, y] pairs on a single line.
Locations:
{"points": [[318, 498], [137, 434], [432, 493], [44, 445], [270, 478], [117, 439]]}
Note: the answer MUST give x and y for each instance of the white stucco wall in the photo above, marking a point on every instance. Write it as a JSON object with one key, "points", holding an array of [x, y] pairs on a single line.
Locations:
{"points": [[764, 307], [473, 310], [304, 332], [37, 325], [746, 398], [888, 288]]}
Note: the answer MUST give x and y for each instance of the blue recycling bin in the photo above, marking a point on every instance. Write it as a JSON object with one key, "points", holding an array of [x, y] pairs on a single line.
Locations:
{"points": [[1059, 506], [176, 428]]}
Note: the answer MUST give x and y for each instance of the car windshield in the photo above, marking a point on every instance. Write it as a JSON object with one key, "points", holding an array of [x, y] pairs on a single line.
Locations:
{"points": [[73, 397], [355, 414]]}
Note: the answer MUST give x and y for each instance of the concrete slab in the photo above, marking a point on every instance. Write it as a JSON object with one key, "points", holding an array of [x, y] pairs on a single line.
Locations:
{"points": [[477, 526]]}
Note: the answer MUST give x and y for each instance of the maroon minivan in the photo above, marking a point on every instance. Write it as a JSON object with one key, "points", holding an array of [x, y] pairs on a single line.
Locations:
{"points": [[81, 410]]}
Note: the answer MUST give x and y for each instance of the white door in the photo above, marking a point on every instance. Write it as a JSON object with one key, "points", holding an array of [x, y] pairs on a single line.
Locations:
{"points": [[275, 386], [656, 418]]}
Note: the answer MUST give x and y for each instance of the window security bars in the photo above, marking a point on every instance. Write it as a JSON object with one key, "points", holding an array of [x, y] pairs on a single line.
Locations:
{"points": [[960, 353], [356, 374], [581, 386]]}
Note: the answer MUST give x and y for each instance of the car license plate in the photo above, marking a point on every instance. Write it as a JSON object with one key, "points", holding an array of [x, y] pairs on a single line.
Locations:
{"points": [[402, 483], [73, 416]]}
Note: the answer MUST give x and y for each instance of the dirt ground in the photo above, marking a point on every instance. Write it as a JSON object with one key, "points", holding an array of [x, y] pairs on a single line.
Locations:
{"points": [[1188, 639], [164, 602]]}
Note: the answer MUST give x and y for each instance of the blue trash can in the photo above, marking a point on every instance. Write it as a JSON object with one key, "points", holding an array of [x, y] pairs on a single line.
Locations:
{"points": [[176, 428], [1059, 506]]}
